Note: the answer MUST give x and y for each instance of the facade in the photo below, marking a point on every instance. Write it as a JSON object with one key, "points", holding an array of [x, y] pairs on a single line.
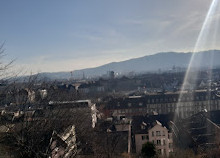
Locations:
{"points": [[157, 134], [95, 87], [164, 103]]}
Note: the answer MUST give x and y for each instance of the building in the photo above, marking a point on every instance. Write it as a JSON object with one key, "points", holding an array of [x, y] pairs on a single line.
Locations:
{"points": [[76, 106], [164, 103], [64, 145], [93, 87], [148, 129], [203, 130]]}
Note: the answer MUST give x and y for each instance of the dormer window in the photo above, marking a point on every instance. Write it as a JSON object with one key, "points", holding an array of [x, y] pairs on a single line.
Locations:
{"points": [[143, 125]]}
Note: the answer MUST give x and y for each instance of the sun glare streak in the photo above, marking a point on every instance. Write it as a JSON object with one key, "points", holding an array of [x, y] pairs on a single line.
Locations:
{"points": [[201, 44], [216, 26], [206, 26]]}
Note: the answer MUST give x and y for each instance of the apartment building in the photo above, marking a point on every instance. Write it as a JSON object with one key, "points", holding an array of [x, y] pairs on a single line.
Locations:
{"points": [[164, 103]]}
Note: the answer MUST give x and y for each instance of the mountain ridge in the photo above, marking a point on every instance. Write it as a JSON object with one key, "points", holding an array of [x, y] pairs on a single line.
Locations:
{"points": [[163, 61], [150, 63]]}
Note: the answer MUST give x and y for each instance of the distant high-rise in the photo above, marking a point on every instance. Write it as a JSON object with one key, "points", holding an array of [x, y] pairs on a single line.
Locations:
{"points": [[111, 74]]}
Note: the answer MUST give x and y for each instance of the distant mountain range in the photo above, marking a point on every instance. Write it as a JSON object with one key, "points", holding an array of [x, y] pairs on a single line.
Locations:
{"points": [[160, 61], [151, 63]]}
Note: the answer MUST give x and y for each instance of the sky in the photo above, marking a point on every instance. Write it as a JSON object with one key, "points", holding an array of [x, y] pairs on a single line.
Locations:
{"points": [[55, 35]]}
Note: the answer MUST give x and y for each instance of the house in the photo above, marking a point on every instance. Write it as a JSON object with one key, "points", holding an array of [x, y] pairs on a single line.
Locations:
{"points": [[149, 129]]}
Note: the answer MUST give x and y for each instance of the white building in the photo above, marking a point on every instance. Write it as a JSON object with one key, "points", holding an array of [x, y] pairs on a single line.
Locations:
{"points": [[157, 134]]}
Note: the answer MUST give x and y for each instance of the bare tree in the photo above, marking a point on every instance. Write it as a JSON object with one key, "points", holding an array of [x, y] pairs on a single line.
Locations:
{"points": [[5, 66]]}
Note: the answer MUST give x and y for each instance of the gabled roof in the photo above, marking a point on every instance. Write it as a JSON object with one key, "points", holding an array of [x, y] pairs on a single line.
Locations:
{"points": [[138, 122]]}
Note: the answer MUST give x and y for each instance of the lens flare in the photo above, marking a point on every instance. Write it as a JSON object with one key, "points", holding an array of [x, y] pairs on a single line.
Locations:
{"points": [[206, 35]]}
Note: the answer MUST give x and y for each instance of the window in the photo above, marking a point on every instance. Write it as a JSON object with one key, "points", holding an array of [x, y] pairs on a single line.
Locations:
{"points": [[129, 104], [140, 104], [152, 133], [158, 142], [170, 145], [164, 142], [159, 151], [163, 133], [145, 137], [158, 133]]}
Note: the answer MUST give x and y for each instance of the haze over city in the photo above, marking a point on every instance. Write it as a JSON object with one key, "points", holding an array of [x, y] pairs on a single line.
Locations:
{"points": [[51, 36], [110, 79]]}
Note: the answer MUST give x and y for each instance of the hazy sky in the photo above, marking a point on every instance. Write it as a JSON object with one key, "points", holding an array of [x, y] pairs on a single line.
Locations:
{"points": [[64, 35]]}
